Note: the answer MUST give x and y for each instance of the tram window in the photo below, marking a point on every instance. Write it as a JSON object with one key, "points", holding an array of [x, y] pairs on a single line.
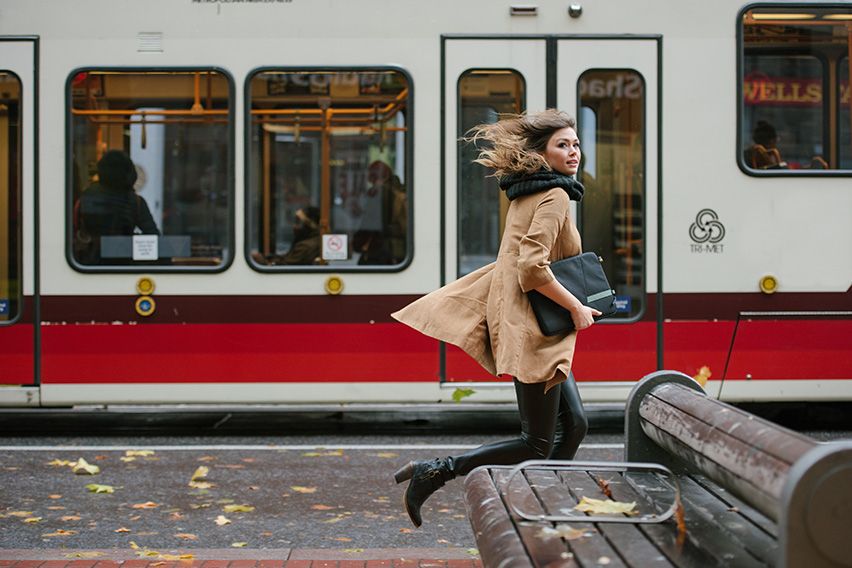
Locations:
{"points": [[611, 127], [795, 89], [484, 94], [10, 197], [150, 169], [328, 169]]}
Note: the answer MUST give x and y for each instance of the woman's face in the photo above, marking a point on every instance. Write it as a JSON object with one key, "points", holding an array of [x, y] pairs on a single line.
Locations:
{"points": [[563, 151]]}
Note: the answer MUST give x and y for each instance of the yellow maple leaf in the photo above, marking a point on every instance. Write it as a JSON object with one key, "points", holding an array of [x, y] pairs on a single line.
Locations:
{"points": [[222, 520], [82, 467], [590, 505], [127, 459], [239, 544], [201, 484], [19, 513], [300, 489], [33, 520], [200, 473], [60, 463], [98, 488], [139, 453], [238, 508]]}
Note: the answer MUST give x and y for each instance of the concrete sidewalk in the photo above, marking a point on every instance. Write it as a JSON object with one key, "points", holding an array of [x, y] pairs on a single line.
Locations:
{"points": [[242, 558]]}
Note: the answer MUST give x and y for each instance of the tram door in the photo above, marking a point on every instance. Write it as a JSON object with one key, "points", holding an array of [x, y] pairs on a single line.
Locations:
{"points": [[17, 129], [610, 85]]}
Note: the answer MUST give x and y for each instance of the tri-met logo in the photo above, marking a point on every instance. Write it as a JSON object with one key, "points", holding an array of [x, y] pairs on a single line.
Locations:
{"points": [[707, 233]]}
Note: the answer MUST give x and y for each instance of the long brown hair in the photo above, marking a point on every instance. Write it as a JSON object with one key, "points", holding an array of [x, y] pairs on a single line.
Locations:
{"points": [[516, 143]]}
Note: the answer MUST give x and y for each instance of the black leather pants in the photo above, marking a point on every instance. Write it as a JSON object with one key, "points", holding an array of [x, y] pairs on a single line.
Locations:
{"points": [[552, 426]]}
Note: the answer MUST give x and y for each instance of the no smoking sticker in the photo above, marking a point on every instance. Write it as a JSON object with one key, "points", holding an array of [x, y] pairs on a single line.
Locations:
{"points": [[335, 247]]}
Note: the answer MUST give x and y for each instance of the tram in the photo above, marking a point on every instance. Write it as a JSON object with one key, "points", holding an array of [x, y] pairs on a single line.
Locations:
{"points": [[300, 169]]}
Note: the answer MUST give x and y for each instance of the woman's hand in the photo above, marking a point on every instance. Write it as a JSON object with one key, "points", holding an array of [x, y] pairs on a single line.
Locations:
{"points": [[583, 316]]}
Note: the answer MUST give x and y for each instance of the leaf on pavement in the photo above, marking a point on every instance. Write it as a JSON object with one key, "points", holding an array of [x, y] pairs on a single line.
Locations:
{"points": [[321, 507], [98, 488], [201, 484], [589, 505], [388, 455], [19, 513], [84, 554], [222, 520], [60, 532], [200, 473], [33, 520], [146, 505], [82, 467], [323, 454], [239, 544], [300, 489], [55, 496], [60, 463], [238, 508], [122, 530], [139, 453], [187, 536], [127, 459], [70, 518]]}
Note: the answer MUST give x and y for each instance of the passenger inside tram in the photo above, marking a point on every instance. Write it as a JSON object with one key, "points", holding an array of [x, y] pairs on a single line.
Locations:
{"points": [[307, 242], [763, 154], [110, 207], [380, 238]]}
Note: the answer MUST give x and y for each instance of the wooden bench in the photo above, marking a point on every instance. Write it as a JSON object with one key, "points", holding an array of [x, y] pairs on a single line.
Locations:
{"points": [[752, 494]]}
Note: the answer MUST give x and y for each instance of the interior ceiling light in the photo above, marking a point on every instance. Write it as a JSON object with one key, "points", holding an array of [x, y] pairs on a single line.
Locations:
{"points": [[837, 17], [783, 16]]}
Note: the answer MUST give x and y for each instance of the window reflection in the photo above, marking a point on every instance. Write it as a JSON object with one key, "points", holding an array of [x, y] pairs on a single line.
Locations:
{"points": [[151, 168], [327, 166], [795, 89], [10, 196], [483, 96], [612, 134]]}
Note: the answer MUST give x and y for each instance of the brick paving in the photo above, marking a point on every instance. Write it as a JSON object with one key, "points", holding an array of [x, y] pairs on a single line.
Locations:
{"points": [[295, 558]]}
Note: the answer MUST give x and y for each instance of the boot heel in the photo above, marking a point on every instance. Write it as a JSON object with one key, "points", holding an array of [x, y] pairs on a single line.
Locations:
{"points": [[405, 472]]}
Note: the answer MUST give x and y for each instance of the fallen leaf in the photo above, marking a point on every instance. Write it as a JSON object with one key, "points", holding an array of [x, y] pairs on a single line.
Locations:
{"points": [[589, 505], [139, 453], [122, 530], [604, 485], [343, 539], [323, 454], [54, 496], [604, 560], [33, 520], [406, 530], [60, 532], [146, 505], [386, 455], [200, 473], [201, 484], [300, 489], [98, 488], [19, 513], [460, 393], [82, 467], [199, 505], [238, 544], [126, 459], [353, 550], [321, 507], [84, 554], [222, 520], [238, 508], [187, 536], [681, 523], [703, 375], [207, 458], [56, 508], [70, 518], [60, 463], [563, 531]]}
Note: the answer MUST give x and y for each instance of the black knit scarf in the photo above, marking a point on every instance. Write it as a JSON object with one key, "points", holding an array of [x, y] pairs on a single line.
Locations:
{"points": [[516, 185]]}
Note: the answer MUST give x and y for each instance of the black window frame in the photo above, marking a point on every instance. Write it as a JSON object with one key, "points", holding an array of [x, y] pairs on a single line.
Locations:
{"points": [[228, 260], [249, 224]]}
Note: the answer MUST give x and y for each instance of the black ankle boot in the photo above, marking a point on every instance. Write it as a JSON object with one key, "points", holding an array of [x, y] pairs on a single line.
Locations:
{"points": [[426, 478]]}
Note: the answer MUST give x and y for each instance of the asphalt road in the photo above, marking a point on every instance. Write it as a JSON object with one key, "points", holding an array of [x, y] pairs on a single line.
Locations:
{"points": [[282, 492]]}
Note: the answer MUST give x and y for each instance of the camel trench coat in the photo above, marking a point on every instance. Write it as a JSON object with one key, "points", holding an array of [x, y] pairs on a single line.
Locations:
{"points": [[487, 314]]}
